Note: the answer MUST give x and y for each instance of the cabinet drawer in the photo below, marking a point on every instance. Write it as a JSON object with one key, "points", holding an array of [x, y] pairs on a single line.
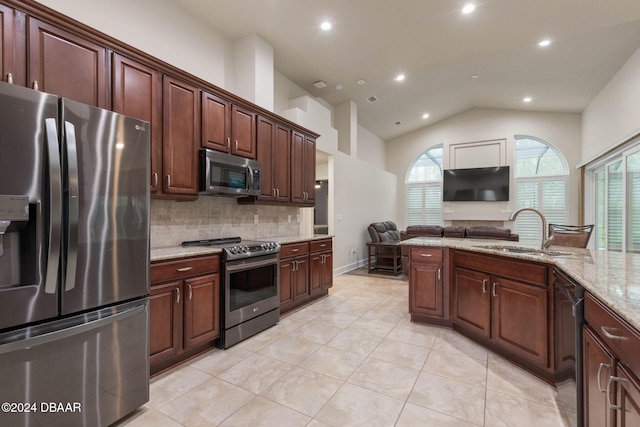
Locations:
{"points": [[169, 270], [614, 332], [294, 249], [430, 255], [321, 245], [525, 271]]}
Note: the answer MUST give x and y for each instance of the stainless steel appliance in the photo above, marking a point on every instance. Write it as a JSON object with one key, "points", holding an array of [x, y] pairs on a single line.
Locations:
{"points": [[250, 286], [569, 319], [74, 264], [226, 174]]}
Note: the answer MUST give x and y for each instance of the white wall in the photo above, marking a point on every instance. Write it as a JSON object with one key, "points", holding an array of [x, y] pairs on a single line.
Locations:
{"points": [[371, 149], [613, 115], [561, 130]]}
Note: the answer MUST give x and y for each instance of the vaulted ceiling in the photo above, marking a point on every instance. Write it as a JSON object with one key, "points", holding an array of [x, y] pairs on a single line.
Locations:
{"points": [[452, 61]]}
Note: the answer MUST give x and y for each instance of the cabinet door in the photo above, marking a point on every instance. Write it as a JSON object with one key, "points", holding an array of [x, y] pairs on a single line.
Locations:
{"points": [[327, 270], [316, 273], [598, 366], [66, 65], [265, 146], [180, 137], [282, 163], [8, 51], [165, 321], [297, 167], [301, 278], [425, 289], [243, 132], [201, 310], [520, 321], [471, 303], [136, 93], [628, 398], [310, 170], [216, 123], [286, 283]]}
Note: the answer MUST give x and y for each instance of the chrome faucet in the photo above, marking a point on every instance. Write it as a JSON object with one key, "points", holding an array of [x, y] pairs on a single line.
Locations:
{"points": [[546, 241]]}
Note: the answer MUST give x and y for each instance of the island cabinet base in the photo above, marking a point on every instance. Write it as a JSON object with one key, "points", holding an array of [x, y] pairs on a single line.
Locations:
{"points": [[504, 304]]}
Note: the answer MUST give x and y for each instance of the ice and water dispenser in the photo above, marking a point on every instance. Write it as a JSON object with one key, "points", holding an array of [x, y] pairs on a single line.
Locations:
{"points": [[14, 239]]}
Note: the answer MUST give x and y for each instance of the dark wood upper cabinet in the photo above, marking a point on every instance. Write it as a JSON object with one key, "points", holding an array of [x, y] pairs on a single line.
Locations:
{"points": [[136, 93], [216, 123], [303, 169], [228, 127], [180, 136], [12, 38], [65, 65]]}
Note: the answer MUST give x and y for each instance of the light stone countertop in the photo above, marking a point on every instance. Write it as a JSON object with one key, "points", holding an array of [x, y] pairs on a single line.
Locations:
{"points": [[172, 252], [612, 277]]}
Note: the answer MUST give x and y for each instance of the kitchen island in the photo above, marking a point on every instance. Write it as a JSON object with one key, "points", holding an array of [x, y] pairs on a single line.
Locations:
{"points": [[502, 295]]}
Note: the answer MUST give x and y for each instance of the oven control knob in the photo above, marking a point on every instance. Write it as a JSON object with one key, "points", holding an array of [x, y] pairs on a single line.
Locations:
{"points": [[245, 248]]}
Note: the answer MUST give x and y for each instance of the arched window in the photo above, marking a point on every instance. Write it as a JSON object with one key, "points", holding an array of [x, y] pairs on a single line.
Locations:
{"points": [[423, 184], [541, 178]]}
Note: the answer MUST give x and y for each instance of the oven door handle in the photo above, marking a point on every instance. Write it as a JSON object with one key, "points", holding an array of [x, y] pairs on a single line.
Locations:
{"points": [[242, 264]]}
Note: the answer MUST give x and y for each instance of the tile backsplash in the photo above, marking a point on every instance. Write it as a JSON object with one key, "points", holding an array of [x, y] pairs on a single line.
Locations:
{"points": [[211, 217]]}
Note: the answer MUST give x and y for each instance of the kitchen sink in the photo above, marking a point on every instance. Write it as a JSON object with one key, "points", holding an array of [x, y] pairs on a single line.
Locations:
{"points": [[530, 251]]}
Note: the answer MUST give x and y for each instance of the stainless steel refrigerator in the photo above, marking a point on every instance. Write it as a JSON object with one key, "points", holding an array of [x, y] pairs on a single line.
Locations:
{"points": [[74, 261]]}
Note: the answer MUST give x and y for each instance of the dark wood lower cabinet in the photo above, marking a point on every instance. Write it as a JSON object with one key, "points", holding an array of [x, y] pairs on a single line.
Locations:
{"points": [[471, 301], [306, 272], [184, 317], [611, 371]]}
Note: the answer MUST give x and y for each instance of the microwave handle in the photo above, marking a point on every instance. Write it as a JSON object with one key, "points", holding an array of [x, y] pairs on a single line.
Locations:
{"points": [[250, 169]]}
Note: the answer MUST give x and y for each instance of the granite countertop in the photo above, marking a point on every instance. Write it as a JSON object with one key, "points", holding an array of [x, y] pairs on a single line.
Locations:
{"points": [[172, 252], [612, 277]]}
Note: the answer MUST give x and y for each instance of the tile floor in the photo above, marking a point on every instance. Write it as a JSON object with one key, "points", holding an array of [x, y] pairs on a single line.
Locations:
{"points": [[353, 359]]}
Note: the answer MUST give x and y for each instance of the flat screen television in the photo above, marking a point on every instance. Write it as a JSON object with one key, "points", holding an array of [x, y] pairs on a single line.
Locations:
{"points": [[476, 184]]}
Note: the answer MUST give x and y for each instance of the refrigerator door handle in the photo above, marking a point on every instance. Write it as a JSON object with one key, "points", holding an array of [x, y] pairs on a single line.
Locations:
{"points": [[48, 337], [73, 207], [55, 207]]}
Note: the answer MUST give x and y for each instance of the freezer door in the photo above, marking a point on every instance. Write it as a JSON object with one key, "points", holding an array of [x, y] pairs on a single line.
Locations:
{"points": [[30, 206], [106, 257], [87, 370]]}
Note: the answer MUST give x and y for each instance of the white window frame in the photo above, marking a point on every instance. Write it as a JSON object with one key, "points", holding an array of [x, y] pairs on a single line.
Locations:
{"points": [[540, 178], [423, 185]]}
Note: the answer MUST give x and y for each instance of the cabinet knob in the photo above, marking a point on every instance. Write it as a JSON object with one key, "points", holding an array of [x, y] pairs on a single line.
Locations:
{"points": [[168, 181], [236, 142], [190, 292], [426, 255], [35, 85], [494, 291], [177, 295], [484, 286], [183, 269], [10, 78], [155, 180], [228, 143]]}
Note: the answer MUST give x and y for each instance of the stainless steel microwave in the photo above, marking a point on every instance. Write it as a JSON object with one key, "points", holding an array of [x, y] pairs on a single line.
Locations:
{"points": [[228, 175]]}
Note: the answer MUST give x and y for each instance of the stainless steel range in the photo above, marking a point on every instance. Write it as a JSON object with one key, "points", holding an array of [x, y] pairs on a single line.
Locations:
{"points": [[250, 286]]}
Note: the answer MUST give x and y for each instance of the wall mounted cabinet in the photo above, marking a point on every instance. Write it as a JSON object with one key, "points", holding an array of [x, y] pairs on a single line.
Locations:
{"points": [[66, 65], [228, 127], [12, 59], [137, 93], [303, 169], [180, 135]]}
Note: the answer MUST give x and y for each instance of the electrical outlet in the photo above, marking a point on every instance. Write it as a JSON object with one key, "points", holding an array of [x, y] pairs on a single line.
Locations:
{"points": [[255, 219], [289, 218], [352, 251]]}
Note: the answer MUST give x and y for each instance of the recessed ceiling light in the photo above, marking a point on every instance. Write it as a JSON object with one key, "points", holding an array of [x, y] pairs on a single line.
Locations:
{"points": [[544, 43], [475, 76], [425, 116], [339, 86], [527, 99], [326, 25], [360, 82], [468, 8], [400, 77]]}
